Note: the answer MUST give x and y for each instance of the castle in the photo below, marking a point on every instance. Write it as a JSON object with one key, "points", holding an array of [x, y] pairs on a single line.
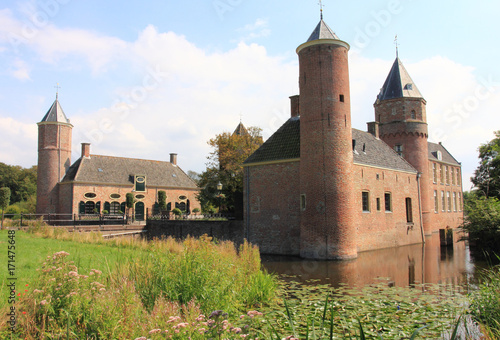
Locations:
{"points": [[319, 189], [97, 184]]}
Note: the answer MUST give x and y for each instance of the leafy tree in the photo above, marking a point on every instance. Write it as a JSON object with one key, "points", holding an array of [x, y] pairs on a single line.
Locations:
{"points": [[225, 165], [20, 181], [487, 176], [4, 200], [482, 220], [162, 200]]}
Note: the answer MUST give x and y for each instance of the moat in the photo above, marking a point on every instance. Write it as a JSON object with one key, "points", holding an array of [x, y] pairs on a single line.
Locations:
{"points": [[401, 266]]}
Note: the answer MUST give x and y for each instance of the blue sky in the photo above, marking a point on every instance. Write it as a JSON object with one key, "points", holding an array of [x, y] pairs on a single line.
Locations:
{"points": [[143, 79]]}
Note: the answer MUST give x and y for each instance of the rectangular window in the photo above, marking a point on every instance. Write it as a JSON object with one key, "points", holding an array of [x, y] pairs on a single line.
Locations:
{"points": [[388, 202], [303, 202], [434, 172], [409, 210], [399, 149], [341, 97], [449, 200], [453, 176], [441, 174], [365, 196], [458, 177], [378, 203], [443, 202], [447, 175], [140, 183], [460, 201], [455, 203], [436, 201]]}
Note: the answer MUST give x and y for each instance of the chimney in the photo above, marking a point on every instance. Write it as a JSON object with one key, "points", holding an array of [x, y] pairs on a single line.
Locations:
{"points": [[85, 150], [373, 128], [295, 105], [173, 158]]}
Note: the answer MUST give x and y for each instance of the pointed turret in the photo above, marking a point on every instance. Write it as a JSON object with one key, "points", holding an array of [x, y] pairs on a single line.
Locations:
{"points": [[398, 84], [326, 160], [400, 113], [241, 130], [54, 157]]}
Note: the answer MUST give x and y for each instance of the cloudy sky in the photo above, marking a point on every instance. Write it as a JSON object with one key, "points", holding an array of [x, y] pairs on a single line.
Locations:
{"points": [[146, 78]]}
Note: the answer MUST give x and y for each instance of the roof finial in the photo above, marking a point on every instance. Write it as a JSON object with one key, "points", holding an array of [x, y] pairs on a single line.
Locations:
{"points": [[57, 87], [241, 117], [397, 46], [321, 9]]}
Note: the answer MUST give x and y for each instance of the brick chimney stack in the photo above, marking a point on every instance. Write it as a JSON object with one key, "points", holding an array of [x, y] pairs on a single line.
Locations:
{"points": [[173, 158], [295, 105], [373, 129], [85, 150]]}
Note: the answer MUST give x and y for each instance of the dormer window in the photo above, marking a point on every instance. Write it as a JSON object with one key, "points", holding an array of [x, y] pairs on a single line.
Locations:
{"points": [[439, 155], [399, 149], [409, 87], [140, 183]]}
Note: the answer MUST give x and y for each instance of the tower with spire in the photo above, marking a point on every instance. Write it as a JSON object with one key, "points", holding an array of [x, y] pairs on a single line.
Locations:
{"points": [[54, 157], [400, 112], [326, 160]]}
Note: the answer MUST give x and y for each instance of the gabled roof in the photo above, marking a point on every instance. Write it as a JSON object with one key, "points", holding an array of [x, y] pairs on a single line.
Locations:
{"points": [[372, 151], [284, 145], [446, 157], [322, 31], [121, 171], [55, 114], [399, 84], [241, 130]]}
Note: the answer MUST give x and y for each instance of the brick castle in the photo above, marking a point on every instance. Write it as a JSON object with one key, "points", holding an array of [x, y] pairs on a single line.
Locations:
{"points": [[319, 189]]}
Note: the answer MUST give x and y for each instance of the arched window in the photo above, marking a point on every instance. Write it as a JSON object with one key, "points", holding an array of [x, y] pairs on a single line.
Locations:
{"points": [[181, 206], [114, 208], [107, 207], [89, 208], [123, 208], [81, 208]]}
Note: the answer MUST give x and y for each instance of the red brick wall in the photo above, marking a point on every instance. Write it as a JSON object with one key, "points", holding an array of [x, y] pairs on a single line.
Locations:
{"points": [[271, 207], [381, 229], [327, 222], [103, 193], [54, 158]]}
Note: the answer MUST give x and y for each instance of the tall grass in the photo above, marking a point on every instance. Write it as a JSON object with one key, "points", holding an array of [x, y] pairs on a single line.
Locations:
{"points": [[485, 302]]}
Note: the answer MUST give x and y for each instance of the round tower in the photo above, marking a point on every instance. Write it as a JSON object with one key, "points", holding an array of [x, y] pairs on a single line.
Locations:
{"points": [[327, 228], [400, 111], [54, 157]]}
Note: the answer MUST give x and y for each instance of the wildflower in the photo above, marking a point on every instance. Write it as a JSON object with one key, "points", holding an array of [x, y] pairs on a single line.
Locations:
{"points": [[154, 331], [36, 291], [173, 319], [200, 318], [201, 330], [236, 330], [216, 314], [253, 313], [102, 289], [73, 274], [43, 302], [141, 338], [242, 317]]}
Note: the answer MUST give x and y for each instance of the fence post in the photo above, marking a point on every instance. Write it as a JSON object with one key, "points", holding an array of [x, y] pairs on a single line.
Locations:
{"points": [[21, 220], [49, 219]]}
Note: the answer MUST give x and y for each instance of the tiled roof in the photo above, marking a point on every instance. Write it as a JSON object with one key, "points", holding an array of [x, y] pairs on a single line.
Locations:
{"points": [[445, 155], [121, 171], [284, 145], [55, 114], [322, 31], [375, 152], [399, 84]]}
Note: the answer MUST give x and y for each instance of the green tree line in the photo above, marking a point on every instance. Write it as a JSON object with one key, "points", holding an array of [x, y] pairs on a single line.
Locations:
{"points": [[22, 184]]}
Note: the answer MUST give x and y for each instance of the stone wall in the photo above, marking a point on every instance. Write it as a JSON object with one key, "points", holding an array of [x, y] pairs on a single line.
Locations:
{"points": [[180, 229]]}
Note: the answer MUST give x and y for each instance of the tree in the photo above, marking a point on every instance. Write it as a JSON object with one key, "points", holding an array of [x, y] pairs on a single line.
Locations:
{"points": [[487, 176], [4, 200], [20, 181], [162, 200], [225, 165]]}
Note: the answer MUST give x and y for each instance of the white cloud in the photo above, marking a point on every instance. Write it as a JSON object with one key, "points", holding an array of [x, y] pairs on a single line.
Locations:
{"points": [[21, 70], [18, 143], [259, 29]]}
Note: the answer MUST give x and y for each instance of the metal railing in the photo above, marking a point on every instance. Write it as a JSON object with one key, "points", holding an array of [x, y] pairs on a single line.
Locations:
{"points": [[63, 220]]}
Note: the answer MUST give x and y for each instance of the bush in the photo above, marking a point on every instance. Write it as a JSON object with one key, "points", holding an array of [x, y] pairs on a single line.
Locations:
{"points": [[482, 222], [162, 200]]}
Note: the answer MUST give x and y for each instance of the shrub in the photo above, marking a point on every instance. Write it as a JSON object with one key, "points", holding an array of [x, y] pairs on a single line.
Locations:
{"points": [[162, 200]]}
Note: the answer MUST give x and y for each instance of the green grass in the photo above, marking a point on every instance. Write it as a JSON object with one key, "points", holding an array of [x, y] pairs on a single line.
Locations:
{"points": [[31, 250]]}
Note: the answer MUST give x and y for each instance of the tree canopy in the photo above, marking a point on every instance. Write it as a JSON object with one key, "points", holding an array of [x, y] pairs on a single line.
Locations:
{"points": [[487, 176], [225, 165], [20, 181]]}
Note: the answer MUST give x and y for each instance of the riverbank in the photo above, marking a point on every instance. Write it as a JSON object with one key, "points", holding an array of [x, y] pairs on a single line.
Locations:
{"points": [[91, 287]]}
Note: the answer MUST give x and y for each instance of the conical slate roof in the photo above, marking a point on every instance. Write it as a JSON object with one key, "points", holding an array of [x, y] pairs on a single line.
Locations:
{"points": [[399, 84], [241, 130], [322, 31], [55, 114]]}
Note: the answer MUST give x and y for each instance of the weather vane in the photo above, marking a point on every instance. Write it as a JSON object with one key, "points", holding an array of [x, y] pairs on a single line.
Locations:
{"points": [[57, 87], [321, 8], [397, 46]]}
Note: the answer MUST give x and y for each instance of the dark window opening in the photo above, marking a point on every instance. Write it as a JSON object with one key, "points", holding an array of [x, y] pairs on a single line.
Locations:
{"points": [[365, 196], [388, 203], [341, 98], [115, 208], [303, 202], [378, 203], [409, 211]]}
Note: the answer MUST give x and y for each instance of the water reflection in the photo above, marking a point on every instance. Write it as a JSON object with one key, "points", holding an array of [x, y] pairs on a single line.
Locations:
{"points": [[402, 266]]}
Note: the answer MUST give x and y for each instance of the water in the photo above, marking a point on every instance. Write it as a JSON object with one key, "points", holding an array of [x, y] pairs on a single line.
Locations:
{"points": [[401, 266]]}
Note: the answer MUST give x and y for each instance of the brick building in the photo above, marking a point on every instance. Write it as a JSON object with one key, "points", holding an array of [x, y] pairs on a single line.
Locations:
{"points": [[318, 188], [96, 184]]}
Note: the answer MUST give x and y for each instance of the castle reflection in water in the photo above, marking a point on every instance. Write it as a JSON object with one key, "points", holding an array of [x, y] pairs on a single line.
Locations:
{"points": [[400, 266]]}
